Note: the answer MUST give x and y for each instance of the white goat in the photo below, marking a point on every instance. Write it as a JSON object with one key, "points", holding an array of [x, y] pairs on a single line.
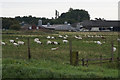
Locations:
{"points": [[49, 42], [118, 39], [20, 42], [98, 42], [16, 37], [39, 42], [60, 36], [36, 39], [114, 49], [52, 37], [53, 49], [15, 44], [65, 41], [76, 37], [48, 37], [56, 43], [12, 41], [79, 37], [65, 37], [2, 43]]}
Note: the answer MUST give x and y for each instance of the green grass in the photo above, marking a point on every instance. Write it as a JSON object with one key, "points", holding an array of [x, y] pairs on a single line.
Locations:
{"points": [[55, 64], [17, 68]]}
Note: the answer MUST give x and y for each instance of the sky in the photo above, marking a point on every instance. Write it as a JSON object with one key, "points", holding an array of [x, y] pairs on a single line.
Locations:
{"points": [[107, 9]]}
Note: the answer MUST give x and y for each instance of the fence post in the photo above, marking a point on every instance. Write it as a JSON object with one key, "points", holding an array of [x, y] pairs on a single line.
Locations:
{"points": [[83, 62], [87, 63], [112, 50], [70, 47], [29, 55], [74, 58], [101, 59]]}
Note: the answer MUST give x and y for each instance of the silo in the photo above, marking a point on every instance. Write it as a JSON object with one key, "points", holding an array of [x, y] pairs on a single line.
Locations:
{"points": [[40, 23], [48, 24], [65, 22]]}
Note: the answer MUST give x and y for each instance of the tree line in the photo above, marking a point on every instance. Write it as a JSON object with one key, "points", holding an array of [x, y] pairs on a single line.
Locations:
{"points": [[72, 16]]}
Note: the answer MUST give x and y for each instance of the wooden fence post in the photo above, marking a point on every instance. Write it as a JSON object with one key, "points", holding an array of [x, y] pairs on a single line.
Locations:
{"points": [[83, 63], [87, 63], [101, 59], [112, 50], [74, 58], [70, 47], [29, 55]]}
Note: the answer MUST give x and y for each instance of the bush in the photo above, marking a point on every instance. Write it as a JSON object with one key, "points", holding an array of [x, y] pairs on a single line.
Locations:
{"points": [[15, 27]]}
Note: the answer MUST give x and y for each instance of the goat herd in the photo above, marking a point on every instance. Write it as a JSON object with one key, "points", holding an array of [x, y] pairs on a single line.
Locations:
{"points": [[49, 40]]}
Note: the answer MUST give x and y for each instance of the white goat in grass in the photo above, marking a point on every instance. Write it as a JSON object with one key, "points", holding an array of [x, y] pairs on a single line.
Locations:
{"points": [[60, 36], [65, 37], [48, 37], [56, 43], [118, 39], [39, 42], [12, 41], [65, 41], [16, 37], [98, 42], [53, 49], [52, 37], [76, 37], [79, 37], [36, 39], [20, 42], [49, 42], [2, 43], [114, 49], [15, 44]]}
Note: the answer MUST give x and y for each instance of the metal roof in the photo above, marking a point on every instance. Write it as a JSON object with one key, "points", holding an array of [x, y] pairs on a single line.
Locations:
{"points": [[101, 23]]}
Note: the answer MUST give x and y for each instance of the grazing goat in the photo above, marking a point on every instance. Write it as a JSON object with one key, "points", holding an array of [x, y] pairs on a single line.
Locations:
{"points": [[49, 42], [53, 49], [12, 41], [16, 37], [98, 42], [56, 43], [65, 41], [36, 39], [15, 44], [114, 49], [52, 37], [65, 37], [60, 36], [79, 37], [48, 37], [20, 42], [118, 39], [39, 42], [2, 43]]}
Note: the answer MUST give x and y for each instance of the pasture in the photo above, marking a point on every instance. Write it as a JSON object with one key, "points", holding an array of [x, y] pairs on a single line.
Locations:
{"points": [[46, 63]]}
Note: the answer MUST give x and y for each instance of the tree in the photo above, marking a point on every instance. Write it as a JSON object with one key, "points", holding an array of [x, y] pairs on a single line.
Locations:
{"points": [[15, 27], [76, 15]]}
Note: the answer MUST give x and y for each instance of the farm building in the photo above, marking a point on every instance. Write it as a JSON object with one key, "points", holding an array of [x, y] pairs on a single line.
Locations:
{"points": [[103, 24], [65, 28], [26, 27]]}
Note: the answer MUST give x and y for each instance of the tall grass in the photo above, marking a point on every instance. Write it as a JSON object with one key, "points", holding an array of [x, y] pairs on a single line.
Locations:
{"points": [[55, 64]]}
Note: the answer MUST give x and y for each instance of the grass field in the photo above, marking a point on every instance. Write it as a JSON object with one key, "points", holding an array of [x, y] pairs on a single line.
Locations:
{"points": [[46, 63]]}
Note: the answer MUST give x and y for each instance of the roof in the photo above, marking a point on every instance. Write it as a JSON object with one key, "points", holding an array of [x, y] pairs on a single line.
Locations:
{"points": [[101, 23]]}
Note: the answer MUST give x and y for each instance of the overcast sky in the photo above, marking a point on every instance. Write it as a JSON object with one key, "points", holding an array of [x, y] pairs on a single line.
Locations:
{"points": [[107, 9]]}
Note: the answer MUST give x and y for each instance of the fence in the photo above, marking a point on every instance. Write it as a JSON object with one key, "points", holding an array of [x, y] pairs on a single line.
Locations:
{"points": [[85, 61], [74, 60]]}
